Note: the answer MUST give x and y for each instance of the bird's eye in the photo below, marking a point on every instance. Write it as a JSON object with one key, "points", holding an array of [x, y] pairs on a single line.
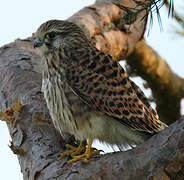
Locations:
{"points": [[50, 35]]}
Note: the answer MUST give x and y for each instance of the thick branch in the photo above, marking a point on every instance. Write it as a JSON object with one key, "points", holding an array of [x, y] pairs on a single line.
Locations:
{"points": [[166, 86], [103, 25]]}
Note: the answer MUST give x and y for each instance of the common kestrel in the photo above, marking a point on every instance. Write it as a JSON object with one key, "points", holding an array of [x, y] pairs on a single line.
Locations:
{"points": [[88, 93]]}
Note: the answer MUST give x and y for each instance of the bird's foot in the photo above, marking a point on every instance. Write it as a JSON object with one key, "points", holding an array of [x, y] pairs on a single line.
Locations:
{"points": [[85, 156], [80, 152], [74, 150]]}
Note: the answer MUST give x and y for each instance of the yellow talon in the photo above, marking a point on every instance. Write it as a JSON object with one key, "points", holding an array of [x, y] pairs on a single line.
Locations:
{"points": [[70, 146], [75, 158], [81, 151], [88, 152], [74, 150]]}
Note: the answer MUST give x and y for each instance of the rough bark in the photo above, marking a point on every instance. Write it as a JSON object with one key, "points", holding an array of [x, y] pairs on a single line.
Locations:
{"points": [[34, 138]]}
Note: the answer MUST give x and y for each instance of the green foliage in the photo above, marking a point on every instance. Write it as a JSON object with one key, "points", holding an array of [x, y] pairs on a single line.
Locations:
{"points": [[150, 6]]}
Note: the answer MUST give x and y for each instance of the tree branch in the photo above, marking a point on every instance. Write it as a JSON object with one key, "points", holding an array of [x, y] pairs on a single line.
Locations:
{"points": [[103, 25]]}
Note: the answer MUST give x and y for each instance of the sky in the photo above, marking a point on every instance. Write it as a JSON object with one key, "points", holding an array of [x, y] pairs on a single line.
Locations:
{"points": [[20, 18]]}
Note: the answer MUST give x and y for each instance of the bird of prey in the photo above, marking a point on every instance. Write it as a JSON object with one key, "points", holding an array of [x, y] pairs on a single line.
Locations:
{"points": [[89, 94]]}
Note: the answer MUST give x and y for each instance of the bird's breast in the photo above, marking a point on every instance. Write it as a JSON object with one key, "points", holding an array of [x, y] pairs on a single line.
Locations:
{"points": [[70, 114], [55, 93]]}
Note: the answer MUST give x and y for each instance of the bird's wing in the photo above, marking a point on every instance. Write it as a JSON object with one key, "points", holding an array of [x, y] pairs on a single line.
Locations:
{"points": [[104, 85]]}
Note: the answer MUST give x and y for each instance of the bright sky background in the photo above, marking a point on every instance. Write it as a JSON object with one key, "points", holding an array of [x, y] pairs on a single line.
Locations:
{"points": [[20, 18]]}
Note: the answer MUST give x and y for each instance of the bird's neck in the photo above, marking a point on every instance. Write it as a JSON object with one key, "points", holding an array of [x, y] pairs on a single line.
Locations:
{"points": [[52, 67]]}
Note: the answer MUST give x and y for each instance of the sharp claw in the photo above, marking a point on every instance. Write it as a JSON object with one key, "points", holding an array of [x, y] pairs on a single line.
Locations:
{"points": [[80, 152], [101, 151]]}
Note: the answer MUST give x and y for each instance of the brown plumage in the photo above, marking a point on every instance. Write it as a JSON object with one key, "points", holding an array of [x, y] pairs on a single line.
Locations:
{"points": [[88, 93]]}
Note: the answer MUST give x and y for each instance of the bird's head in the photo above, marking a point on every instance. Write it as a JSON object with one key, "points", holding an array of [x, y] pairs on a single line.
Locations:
{"points": [[54, 35]]}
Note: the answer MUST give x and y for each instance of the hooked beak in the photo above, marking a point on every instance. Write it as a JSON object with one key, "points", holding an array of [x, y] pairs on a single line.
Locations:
{"points": [[37, 43]]}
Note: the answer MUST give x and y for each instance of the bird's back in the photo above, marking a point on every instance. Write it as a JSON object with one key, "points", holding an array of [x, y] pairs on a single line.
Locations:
{"points": [[104, 85]]}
